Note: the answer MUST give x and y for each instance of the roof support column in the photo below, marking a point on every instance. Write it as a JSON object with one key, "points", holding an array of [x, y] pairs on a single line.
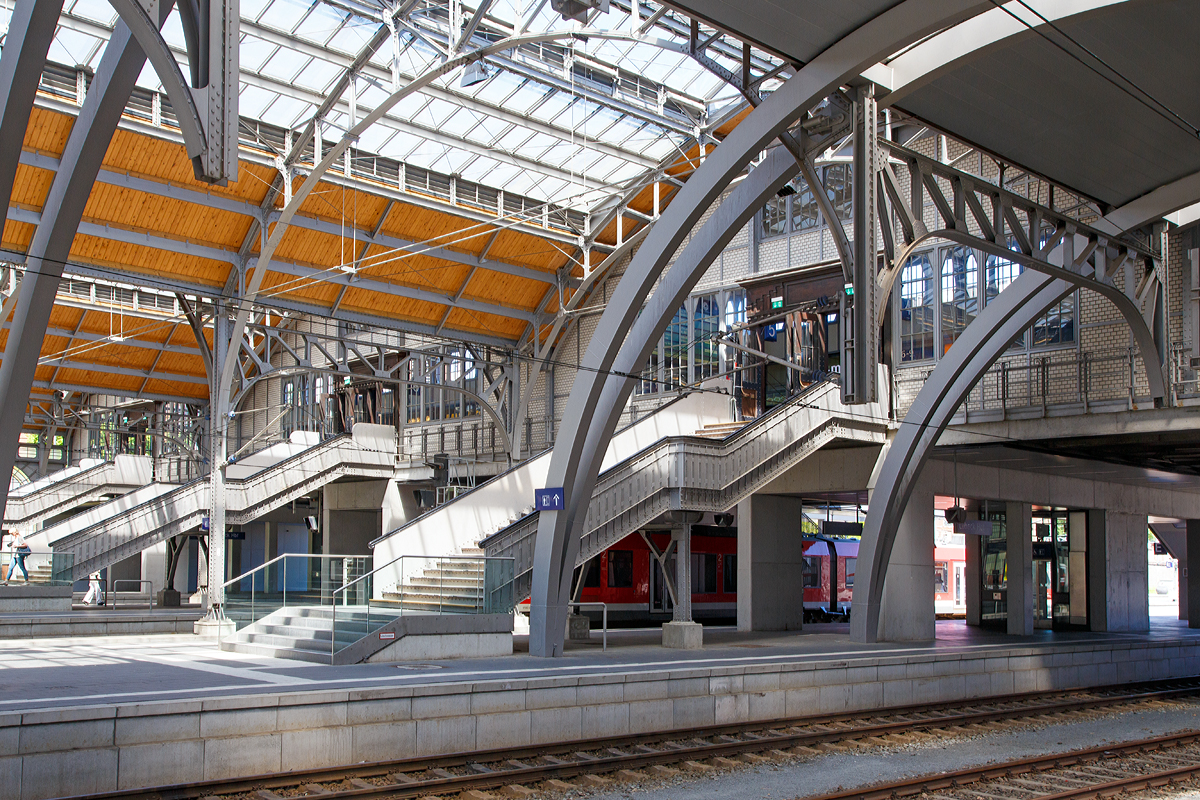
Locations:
{"points": [[218, 445], [51, 245]]}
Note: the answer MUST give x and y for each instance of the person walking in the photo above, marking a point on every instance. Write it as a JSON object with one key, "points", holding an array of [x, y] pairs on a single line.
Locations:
{"points": [[20, 550], [93, 593]]}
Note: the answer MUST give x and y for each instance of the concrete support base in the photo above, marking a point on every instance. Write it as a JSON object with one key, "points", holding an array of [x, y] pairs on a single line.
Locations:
{"points": [[579, 628], [214, 629], [683, 635]]}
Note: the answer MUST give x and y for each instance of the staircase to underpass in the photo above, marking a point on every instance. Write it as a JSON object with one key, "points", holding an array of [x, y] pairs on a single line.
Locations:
{"points": [[70, 488], [106, 534]]}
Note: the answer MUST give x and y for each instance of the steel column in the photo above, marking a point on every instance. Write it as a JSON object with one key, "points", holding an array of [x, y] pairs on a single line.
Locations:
{"points": [[860, 329], [218, 439], [51, 245]]}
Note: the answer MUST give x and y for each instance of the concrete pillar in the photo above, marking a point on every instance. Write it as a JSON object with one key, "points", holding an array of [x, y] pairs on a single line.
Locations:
{"points": [[770, 564], [974, 578], [1127, 599], [907, 613], [1019, 535], [682, 536], [681, 632], [1181, 575]]}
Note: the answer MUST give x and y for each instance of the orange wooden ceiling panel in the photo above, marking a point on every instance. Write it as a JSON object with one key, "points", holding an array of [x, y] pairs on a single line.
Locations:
{"points": [[491, 324], [335, 203], [195, 391], [519, 248], [31, 186], [437, 228], [167, 161], [400, 308], [174, 218], [417, 271], [18, 235], [506, 290], [47, 131], [131, 258]]}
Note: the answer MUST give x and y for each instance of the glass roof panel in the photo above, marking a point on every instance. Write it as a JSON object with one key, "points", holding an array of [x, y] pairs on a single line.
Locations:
{"points": [[353, 36], [255, 52], [320, 24], [290, 111], [253, 101], [96, 10], [284, 15], [285, 65], [318, 75], [72, 47]]}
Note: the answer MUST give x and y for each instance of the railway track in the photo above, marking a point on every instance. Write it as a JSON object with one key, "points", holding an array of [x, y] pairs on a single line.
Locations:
{"points": [[595, 762]]}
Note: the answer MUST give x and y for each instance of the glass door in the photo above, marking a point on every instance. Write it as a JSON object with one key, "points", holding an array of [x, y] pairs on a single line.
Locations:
{"points": [[994, 572], [1060, 569]]}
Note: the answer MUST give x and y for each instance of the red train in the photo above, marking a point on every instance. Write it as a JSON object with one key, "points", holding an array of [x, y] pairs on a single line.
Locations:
{"points": [[629, 578]]}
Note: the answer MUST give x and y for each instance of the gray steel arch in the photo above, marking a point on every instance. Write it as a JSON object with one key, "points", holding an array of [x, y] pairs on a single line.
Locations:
{"points": [[51, 246], [984, 340], [30, 31], [558, 531]]}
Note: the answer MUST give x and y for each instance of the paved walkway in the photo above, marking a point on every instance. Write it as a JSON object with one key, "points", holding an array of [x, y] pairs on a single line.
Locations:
{"points": [[63, 672]]}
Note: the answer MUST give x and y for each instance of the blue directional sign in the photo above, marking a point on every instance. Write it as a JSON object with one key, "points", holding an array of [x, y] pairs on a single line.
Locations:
{"points": [[549, 499]]}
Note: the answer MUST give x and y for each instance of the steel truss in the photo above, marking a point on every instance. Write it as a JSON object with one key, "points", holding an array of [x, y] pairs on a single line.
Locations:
{"points": [[273, 352], [972, 212]]}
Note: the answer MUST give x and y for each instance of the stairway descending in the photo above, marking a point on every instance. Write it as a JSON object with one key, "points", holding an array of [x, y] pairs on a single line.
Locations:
{"points": [[305, 633], [699, 472], [106, 534], [70, 488]]}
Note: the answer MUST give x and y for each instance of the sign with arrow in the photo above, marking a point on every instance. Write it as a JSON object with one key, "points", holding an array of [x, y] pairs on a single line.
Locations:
{"points": [[553, 499]]}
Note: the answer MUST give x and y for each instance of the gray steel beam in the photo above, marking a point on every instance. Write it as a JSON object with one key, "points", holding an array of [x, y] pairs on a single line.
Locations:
{"points": [[30, 31], [51, 246], [108, 369], [109, 392], [338, 277], [559, 531]]}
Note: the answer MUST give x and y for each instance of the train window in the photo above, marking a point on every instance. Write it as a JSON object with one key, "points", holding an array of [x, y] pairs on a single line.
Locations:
{"points": [[850, 562], [591, 576], [620, 569], [941, 577], [704, 573], [730, 576], [812, 572]]}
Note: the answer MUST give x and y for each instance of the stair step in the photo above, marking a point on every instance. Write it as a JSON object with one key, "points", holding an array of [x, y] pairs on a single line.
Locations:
{"points": [[312, 656]]}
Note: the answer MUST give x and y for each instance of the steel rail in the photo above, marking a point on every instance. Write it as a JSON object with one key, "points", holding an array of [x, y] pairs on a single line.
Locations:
{"points": [[631, 752]]}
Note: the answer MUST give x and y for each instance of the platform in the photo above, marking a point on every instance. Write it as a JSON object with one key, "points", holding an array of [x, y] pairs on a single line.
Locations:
{"points": [[120, 712]]}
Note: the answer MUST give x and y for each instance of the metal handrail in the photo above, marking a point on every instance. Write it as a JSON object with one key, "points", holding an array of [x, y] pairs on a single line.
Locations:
{"points": [[604, 620], [149, 595], [344, 587]]}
